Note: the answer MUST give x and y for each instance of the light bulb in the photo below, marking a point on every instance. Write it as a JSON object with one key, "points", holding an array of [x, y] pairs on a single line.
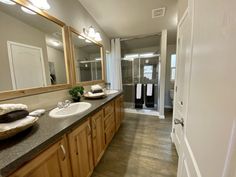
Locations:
{"points": [[98, 36], [41, 4], [8, 2], [91, 32]]}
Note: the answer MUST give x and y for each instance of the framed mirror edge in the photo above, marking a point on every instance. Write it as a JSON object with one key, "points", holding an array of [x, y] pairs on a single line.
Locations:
{"points": [[74, 80], [12, 94], [7, 95]]}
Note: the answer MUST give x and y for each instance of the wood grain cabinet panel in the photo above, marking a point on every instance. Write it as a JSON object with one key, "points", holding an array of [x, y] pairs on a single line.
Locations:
{"points": [[81, 152], [98, 136], [53, 162]]}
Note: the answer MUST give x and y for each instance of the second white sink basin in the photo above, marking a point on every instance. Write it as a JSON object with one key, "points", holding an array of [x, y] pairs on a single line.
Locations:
{"points": [[72, 110], [109, 92]]}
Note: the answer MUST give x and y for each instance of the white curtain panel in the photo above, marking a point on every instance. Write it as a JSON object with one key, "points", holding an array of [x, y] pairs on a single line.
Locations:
{"points": [[114, 65]]}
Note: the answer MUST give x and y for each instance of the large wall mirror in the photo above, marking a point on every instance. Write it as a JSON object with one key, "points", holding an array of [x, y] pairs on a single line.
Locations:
{"points": [[32, 50], [88, 58]]}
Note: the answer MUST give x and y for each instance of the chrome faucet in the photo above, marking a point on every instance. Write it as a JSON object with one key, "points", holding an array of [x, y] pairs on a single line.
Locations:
{"points": [[63, 104]]}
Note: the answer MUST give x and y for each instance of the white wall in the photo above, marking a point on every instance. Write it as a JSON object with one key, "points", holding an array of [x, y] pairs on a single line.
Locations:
{"points": [[17, 31], [171, 49], [72, 13], [57, 57]]}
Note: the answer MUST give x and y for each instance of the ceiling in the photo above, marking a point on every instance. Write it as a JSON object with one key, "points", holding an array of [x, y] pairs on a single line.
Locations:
{"points": [[126, 18]]}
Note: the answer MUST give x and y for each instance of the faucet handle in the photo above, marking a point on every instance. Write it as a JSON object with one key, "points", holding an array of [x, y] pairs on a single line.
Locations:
{"points": [[60, 105], [67, 103]]}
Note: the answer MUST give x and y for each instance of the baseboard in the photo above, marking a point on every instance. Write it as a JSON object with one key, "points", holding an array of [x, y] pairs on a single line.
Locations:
{"points": [[168, 107]]}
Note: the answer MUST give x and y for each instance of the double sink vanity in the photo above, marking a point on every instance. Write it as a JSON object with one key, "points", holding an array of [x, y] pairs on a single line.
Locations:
{"points": [[64, 147], [42, 58]]}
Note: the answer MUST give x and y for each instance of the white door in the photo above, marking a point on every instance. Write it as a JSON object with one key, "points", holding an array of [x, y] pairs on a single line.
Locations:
{"points": [[184, 43], [26, 65], [204, 130]]}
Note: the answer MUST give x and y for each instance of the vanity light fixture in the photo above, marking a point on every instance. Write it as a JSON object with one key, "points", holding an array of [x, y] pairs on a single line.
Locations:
{"points": [[98, 37], [92, 33], [41, 4], [24, 9], [8, 2], [98, 59]]}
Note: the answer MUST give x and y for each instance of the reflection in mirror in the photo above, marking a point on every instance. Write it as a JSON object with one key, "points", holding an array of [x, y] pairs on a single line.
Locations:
{"points": [[88, 59], [31, 50]]}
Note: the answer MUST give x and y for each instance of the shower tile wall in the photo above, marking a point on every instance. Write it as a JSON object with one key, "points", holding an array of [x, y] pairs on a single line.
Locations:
{"points": [[133, 73]]}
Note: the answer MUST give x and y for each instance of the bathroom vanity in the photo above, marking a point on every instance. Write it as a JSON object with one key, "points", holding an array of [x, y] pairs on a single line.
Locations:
{"points": [[66, 147]]}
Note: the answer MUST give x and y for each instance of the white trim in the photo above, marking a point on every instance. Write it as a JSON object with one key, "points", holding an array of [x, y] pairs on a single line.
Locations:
{"points": [[168, 107], [192, 157], [161, 116], [10, 58], [142, 112]]}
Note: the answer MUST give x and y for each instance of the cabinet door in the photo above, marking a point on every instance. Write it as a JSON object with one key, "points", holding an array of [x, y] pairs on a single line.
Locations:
{"points": [[122, 116], [117, 113], [53, 162], [80, 142], [98, 136]]}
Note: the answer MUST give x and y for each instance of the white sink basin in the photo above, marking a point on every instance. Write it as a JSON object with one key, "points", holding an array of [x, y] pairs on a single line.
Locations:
{"points": [[109, 92], [72, 110]]}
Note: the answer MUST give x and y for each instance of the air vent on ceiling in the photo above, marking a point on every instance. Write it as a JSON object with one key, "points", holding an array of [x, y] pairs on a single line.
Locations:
{"points": [[160, 12]]}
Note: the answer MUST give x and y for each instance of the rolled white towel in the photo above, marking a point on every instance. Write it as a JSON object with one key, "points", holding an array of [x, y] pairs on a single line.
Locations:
{"points": [[6, 108], [96, 87]]}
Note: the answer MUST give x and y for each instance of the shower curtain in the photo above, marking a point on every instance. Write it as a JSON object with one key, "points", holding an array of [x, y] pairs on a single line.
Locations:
{"points": [[114, 65]]}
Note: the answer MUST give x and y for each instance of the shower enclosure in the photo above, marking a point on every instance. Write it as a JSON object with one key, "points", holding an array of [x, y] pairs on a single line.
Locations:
{"points": [[142, 69]]}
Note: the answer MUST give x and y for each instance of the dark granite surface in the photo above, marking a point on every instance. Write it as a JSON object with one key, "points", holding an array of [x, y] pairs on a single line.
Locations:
{"points": [[21, 148]]}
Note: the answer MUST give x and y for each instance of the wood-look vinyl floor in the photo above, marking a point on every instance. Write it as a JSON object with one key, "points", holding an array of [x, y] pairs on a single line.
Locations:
{"points": [[141, 148]]}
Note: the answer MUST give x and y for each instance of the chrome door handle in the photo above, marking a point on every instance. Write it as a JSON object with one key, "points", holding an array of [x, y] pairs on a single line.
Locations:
{"points": [[181, 122]]}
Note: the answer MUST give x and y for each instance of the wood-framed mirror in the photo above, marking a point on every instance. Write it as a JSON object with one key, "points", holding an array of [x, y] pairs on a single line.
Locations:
{"points": [[88, 60], [34, 51]]}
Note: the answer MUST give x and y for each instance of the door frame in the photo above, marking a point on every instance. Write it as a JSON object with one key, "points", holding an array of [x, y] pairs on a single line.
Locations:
{"points": [[10, 58]]}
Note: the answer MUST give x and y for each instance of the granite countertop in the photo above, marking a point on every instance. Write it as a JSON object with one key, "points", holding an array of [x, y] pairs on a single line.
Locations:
{"points": [[23, 147]]}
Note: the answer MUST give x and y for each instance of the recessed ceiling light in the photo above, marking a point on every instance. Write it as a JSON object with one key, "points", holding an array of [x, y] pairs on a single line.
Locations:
{"points": [[146, 55], [27, 11], [131, 56], [41, 4], [8, 2]]}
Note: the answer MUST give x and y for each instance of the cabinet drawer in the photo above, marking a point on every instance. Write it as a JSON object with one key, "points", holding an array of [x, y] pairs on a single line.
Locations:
{"points": [[109, 108], [109, 120], [109, 134]]}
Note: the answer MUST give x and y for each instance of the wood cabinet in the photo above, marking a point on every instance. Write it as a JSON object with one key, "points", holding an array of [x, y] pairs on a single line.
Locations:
{"points": [[98, 138], [81, 152], [53, 162], [119, 111]]}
